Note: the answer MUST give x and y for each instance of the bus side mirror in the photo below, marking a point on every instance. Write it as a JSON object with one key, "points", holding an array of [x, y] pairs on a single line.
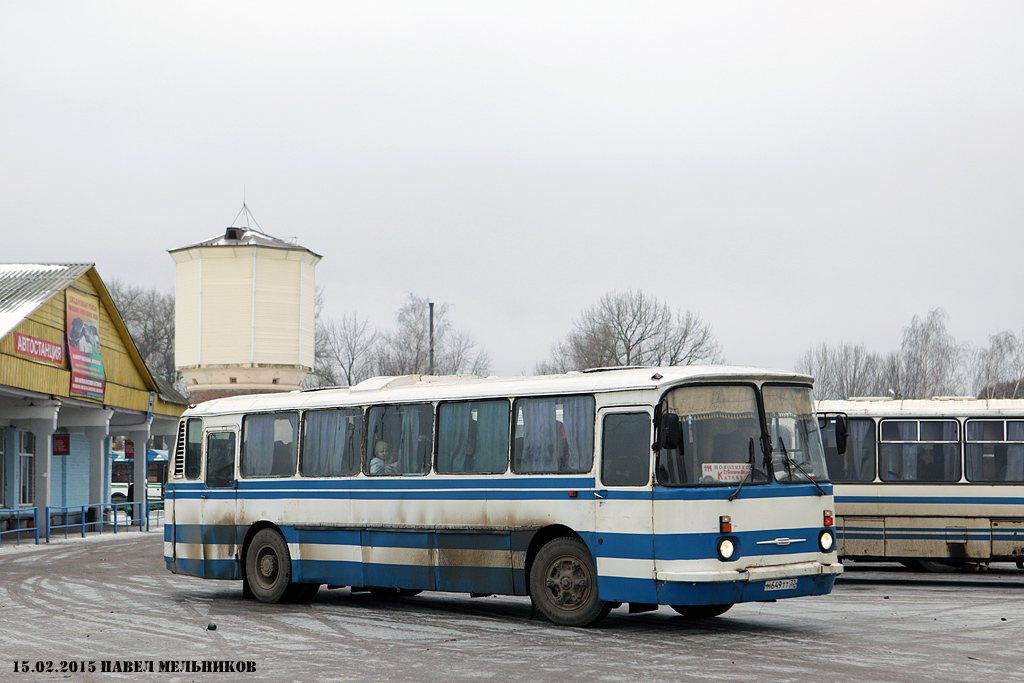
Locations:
{"points": [[842, 433], [670, 434]]}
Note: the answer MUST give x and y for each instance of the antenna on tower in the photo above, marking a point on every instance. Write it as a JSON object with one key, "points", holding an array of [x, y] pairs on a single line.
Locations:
{"points": [[246, 215]]}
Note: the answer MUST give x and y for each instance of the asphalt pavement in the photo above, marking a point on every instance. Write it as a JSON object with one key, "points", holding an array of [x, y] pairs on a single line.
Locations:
{"points": [[108, 603]]}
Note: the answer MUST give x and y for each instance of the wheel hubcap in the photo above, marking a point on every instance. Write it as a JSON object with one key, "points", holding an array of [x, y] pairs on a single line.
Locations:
{"points": [[568, 583], [267, 567]]}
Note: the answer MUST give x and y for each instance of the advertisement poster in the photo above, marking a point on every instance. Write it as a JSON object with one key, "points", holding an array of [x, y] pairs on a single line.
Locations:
{"points": [[83, 314]]}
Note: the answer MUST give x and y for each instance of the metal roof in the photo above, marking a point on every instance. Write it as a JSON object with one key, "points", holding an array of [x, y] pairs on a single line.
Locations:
{"points": [[940, 406], [244, 237], [24, 287]]}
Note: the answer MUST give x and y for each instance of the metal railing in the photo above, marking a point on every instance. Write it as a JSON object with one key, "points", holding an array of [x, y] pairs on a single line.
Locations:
{"points": [[119, 517], [15, 515]]}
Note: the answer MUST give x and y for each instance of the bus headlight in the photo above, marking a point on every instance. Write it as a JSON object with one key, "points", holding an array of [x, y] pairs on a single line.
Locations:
{"points": [[726, 550], [826, 541]]}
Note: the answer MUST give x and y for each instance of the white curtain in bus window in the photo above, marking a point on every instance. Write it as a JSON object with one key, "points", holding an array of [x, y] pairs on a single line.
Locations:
{"points": [[995, 450], [721, 434], [925, 450], [331, 440], [858, 462], [554, 435], [860, 450], [269, 445], [898, 450], [472, 437], [407, 435]]}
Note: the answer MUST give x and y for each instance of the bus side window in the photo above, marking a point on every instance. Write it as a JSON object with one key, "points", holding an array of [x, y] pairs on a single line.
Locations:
{"points": [[472, 437], [193, 449], [331, 442], [399, 439], [626, 449], [270, 444], [220, 460], [553, 435]]}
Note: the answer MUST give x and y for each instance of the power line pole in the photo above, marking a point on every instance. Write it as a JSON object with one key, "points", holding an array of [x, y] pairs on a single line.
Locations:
{"points": [[430, 304]]}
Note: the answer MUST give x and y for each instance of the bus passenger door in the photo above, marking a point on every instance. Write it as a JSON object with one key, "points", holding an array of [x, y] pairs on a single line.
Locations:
{"points": [[624, 550], [217, 506]]}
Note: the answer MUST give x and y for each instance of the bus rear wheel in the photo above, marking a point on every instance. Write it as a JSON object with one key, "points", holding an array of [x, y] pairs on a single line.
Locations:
{"points": [[268, 567], [563, 584], [702, 611]]}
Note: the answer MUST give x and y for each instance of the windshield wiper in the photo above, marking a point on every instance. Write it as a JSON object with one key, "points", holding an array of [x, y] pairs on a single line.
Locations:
{"points": [[750, 474], [789, 461]]}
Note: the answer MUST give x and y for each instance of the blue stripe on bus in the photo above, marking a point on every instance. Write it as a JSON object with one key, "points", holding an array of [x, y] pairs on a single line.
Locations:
{"points": [[933, 500], [400, 494], [477, 488], [404, 483], [698, 546], [774, 490], [695, 546], [207, 569]]}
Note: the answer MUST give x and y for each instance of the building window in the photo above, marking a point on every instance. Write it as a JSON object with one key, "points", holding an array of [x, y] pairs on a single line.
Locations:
{"points": [[28, 470], [232, 380]]}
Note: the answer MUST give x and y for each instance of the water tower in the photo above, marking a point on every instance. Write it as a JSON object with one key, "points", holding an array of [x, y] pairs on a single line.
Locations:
{"points": [[243, 314]]}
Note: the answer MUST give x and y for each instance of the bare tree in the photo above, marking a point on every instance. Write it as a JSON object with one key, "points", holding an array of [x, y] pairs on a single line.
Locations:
{"points": [[845, 370], [633, 328], [346, 351], [149, 316], [406, 349], [933, 362], [929, 362], [999, 367]]}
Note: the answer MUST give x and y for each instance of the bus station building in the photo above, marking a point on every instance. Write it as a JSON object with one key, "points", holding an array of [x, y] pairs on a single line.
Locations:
{"points": [[70, 379]]}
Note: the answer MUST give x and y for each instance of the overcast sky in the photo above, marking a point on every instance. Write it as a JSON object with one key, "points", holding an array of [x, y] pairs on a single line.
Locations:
{"points": [[793, 172]]}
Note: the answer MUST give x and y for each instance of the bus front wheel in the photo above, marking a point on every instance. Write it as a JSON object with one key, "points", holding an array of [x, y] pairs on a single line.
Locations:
{"points": [[701, 611], [563, 584], [268, 567]]}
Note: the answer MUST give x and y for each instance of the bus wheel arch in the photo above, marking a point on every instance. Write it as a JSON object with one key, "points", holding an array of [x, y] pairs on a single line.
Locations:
{"points": [[541, 538], [562, 577], [267, 570]]}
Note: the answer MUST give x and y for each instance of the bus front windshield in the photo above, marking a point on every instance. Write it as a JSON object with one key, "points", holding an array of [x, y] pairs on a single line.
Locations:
{"points": [[721, 441], [793, 427]]}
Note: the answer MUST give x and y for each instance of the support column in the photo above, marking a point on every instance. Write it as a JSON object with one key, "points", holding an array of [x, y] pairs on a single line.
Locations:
{"points": [[140, 439], [43, 430], [40, 418], [11, 465], [97, 455]]}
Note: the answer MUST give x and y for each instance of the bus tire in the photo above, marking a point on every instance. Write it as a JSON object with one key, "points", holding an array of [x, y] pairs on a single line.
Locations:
{"points": [[702, 611], [268, 567], [563, 584]]}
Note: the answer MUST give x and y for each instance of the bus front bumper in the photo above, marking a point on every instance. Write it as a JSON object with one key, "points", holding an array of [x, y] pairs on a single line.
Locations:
{"points": [[753, 574]]}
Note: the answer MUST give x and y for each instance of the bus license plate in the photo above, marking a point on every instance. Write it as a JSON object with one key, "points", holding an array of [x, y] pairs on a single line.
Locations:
{"points": [[780, 585]]}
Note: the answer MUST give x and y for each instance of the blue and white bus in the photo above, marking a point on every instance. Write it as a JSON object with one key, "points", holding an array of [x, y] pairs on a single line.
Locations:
{"points": [[934, 483], [695, 487]]}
